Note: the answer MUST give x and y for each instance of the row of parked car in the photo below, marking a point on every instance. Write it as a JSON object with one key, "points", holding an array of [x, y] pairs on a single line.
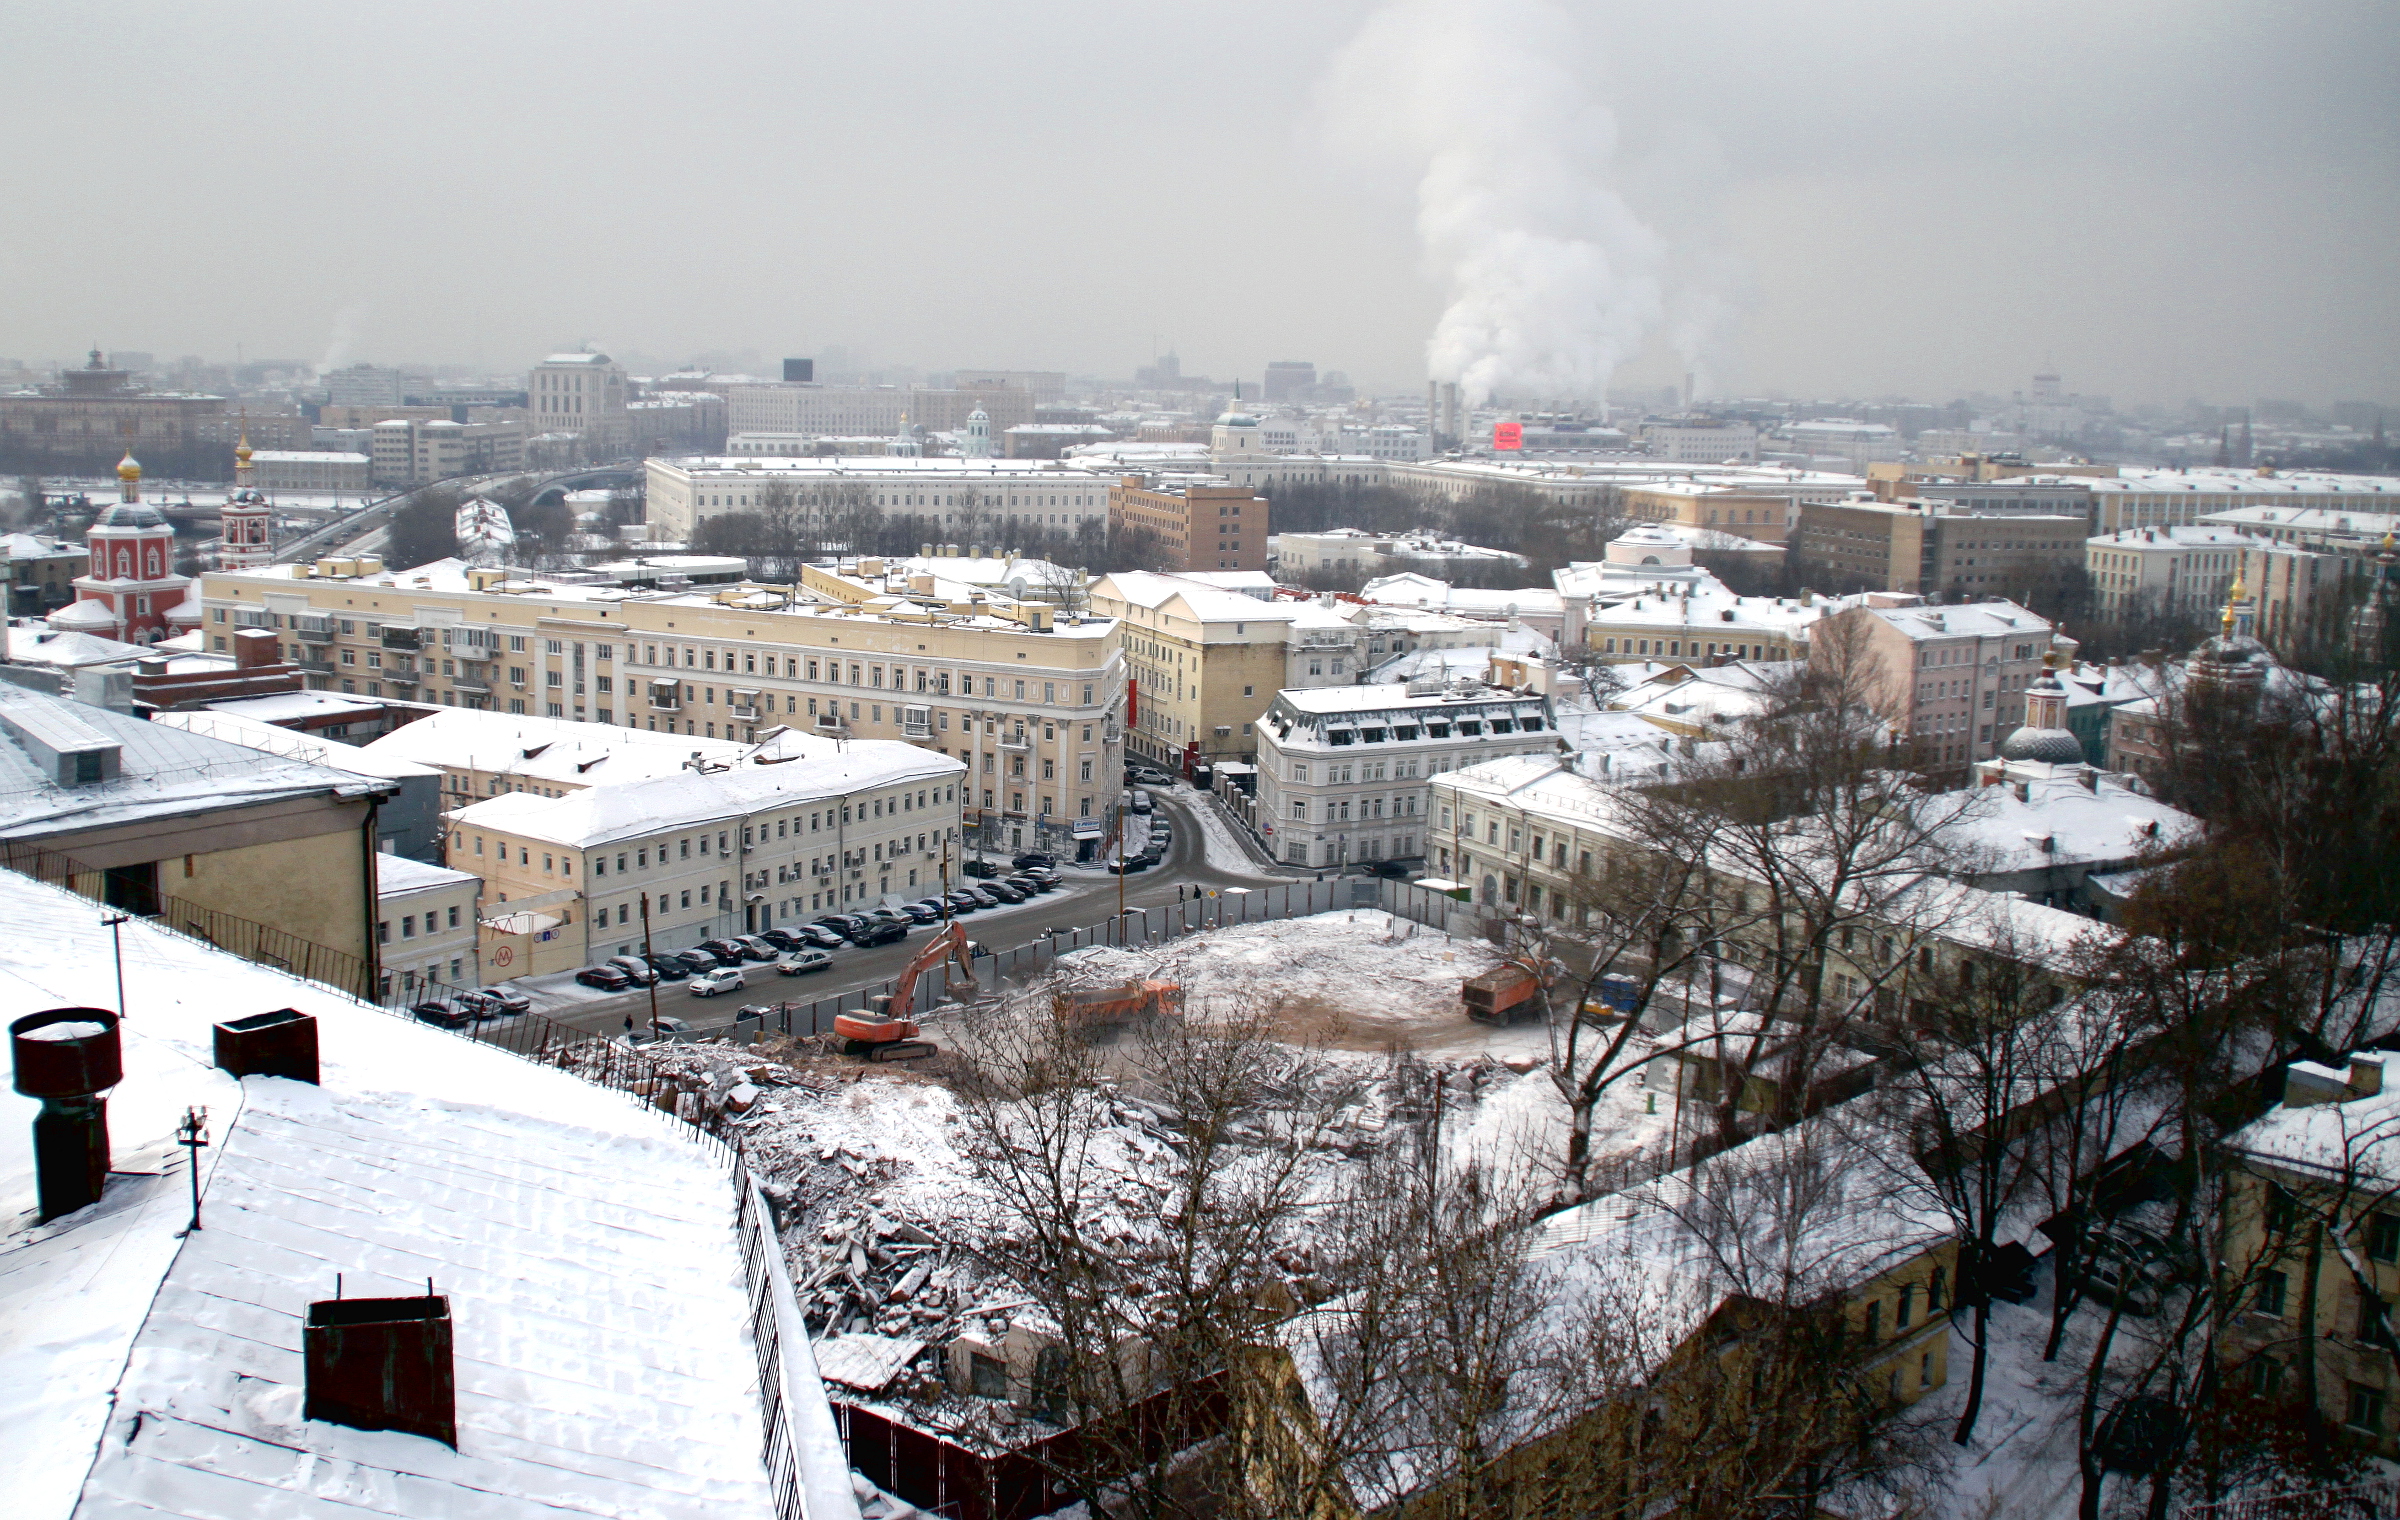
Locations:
{"points": [[715, 965], [472, 1006], [1162, 837]]}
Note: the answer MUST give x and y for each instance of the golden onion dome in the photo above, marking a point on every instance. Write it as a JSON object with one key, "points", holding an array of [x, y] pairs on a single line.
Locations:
{"points": [[129, 468]]}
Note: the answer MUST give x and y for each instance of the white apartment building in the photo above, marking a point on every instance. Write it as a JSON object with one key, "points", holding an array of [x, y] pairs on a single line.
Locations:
{"points": [[584, 395], [803, 410], [724, 849], [970, 499], [2141, 498], [1032, 701], [406, 451], [1701, 443], [2176, 570], [425, 928], [1343, 771], [330, 470]]}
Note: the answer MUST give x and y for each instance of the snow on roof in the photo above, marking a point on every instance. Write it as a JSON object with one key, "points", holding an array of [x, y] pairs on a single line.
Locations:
{"points": [[287, 705], [604, 1364], [1413, 590], [1256, 584], [306, 456], [257, 733], [163, 772], [1389, 696], [598, 815], [2060, 822], [555, 749], [2357, 1137], [1210, 604], [2176, 536], [1992, 619], [32, 645], [395, 874]]}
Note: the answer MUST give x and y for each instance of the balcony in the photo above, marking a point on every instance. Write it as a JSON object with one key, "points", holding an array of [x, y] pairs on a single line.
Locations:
{"points": [[746, 714], [397, 677], [310, 635], [315, 666], [916, 730], [401, 638], [472, 687], [1019, 744], [666, 696]]}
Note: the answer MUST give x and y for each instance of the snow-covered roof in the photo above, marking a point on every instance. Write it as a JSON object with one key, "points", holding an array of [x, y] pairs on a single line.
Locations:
{"points": [[1414, 590], [396, 874], [163, 772], [1207, 603], [29, 644], [257, 733], [599, 815], [1988, 620], [2060, 822], [586, 1244], [554, 749], [294, 706], [2356, 1137]]}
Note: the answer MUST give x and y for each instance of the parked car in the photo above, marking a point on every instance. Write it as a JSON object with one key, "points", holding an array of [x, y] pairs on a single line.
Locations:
{"points": [[635, 968], [667, 1024], [1139, 801], [1045, 875], [606, 978], [447, 1015], [980, 868], [918, 913], [819, 936], [781, 939], [1392, 870], [726, 950], [840, 923], [509, 998], [1003, 891], [801, 962], [1147, 776], [881, 915], [1130, 864], [961, 900], [723, 979], [1032, 858], [669, 966], [758, 947], [1025, 884], [2110, 1279], [984, 897], [880, 934], [933, 905], [475, 1005], [697, 961]]}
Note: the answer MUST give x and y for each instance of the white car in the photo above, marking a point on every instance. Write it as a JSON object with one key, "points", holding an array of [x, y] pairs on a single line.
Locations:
{"points": [[723, 979]]}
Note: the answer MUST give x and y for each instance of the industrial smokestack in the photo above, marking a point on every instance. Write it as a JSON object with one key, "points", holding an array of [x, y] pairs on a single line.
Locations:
{"points": [[382, 1364], [69, 1058]]}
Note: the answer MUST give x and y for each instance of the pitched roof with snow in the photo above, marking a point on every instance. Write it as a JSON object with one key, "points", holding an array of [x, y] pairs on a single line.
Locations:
{"points": [[555, 749], [599, 815], [586, 1244], [163, 772]]}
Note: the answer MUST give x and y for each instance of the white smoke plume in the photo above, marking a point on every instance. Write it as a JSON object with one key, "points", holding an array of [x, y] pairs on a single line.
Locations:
{"points": [[337, 346], [1552, 279]]}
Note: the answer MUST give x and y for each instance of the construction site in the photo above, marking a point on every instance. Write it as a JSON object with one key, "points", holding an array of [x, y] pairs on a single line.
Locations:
{"points": [[883, 1146]]}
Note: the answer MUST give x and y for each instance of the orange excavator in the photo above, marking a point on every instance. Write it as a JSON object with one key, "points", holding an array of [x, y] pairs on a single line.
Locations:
{"points": [[888, 1033]]}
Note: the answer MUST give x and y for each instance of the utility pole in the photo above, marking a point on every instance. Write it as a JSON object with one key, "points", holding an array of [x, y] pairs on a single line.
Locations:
{"points": [[192, 1135], [646, 962]]}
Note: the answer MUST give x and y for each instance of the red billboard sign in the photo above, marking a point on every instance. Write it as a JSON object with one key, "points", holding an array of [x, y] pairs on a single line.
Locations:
{"points": [[1508, 435]]}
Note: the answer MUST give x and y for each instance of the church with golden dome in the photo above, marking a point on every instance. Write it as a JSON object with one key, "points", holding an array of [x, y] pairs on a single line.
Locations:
{"points": [[130, 590]]}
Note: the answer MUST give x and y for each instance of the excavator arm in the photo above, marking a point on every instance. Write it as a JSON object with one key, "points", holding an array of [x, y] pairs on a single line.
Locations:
{"points": [[950, 944]]}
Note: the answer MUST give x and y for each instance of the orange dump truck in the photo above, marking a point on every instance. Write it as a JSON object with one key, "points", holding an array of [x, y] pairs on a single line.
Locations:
{"points": [[1502, 995]]}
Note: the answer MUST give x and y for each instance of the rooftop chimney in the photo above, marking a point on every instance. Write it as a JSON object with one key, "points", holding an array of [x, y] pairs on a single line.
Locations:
{"points": [[69, 1058], [278, 1044], [382, 1364], [253, 647]]}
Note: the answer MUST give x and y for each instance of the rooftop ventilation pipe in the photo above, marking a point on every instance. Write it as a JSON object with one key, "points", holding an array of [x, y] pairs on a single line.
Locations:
{"points": [[69, 1058], [382, 1364]]}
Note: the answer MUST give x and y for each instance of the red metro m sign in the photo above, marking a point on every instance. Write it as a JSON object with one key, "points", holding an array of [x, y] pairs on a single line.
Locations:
{"points": [[1508, 435]]}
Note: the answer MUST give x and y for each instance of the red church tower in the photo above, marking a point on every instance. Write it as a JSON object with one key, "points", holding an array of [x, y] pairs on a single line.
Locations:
{"points": [[131, 585]]}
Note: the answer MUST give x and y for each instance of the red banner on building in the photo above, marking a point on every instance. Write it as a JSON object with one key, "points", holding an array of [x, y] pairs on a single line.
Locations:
{"points": [[1508, 435], [1133, 697]]}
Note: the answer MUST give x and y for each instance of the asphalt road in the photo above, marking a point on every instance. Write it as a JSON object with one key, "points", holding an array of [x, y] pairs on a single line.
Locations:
{"points": [[1087, 902]]}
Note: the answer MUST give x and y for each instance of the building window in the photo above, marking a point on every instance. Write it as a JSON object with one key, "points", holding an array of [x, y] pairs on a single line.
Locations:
{"points": [[2269, 1299], [2366, 1410]]}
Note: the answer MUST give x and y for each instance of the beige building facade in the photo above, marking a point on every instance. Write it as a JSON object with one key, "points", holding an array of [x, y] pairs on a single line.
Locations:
{"points": [[1035, 708], [1202, 524], [1203, 665]]}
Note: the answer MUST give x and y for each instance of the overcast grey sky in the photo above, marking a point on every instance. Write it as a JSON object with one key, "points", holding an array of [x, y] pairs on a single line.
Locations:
{"points": [[2167, 198]]}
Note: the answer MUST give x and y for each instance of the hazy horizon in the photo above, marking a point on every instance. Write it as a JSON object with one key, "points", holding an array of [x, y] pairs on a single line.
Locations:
{"points": [[2160, 201]]}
